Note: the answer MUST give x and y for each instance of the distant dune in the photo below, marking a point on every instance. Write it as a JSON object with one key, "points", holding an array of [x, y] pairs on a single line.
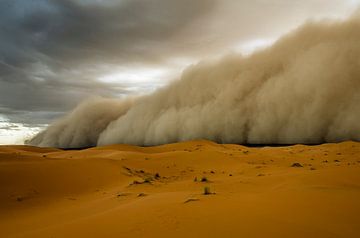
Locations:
{"points": [[129, 191]]}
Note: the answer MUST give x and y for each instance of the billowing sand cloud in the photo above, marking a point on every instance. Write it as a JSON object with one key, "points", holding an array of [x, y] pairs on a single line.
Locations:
{"points": [[82, 127], [303, 89]]}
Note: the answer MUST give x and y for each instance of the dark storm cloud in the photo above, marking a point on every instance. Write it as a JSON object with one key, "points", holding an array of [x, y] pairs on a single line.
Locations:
{"points": [[61, 32], [52, 52], [50, 49], [30, 119]]}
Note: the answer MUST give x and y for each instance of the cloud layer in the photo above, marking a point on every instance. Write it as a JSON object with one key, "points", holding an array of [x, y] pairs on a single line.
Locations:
{"points": [[303, 89], [53, 52]]}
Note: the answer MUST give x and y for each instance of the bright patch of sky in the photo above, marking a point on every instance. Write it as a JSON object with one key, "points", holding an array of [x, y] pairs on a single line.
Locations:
{"points": [[139, 80], [145, 79], [251, 46], [16, 133]]}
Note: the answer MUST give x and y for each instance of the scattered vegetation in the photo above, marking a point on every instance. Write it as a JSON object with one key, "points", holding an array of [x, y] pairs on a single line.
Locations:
{"points": [[296, 165], [128, 169], [136, 182], [19, 199], [148, 179], [122, 194], [204, 180], [207, 191]]}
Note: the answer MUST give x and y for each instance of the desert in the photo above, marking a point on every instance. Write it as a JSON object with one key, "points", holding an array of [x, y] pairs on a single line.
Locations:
{"points": [[179, 119], [130, 191]]}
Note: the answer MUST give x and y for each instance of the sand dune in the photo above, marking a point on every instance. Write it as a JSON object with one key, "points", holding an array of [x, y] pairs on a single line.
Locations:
{"points": [[129, 191]]}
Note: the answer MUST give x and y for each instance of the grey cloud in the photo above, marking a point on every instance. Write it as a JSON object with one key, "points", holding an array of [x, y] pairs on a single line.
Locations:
{"points": [[67, 31], [49, 48], [11, 126]]}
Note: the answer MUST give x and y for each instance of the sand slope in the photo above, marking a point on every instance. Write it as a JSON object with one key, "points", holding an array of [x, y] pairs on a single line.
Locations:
{"points": [[114, 191]]}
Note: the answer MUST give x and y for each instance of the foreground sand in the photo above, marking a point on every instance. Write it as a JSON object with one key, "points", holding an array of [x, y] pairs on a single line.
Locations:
{"points": [[114, 191]]}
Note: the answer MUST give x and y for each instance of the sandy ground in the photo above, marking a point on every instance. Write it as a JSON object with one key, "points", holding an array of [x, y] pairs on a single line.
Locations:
{"points": [[127, 191]]}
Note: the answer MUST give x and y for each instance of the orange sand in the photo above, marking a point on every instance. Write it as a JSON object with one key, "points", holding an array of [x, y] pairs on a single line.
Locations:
{"points": [[91, 193]]}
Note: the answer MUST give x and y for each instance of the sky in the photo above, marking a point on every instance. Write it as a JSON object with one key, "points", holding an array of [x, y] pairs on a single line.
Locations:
{"points": [[56, 53]]}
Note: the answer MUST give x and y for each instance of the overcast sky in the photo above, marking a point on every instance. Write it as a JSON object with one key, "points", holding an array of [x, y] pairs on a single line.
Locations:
{"points": [[55, 53]]}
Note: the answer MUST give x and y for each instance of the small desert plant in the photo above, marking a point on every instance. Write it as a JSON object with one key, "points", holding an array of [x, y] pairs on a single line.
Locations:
{"points": [[207, 191], [148, 179], [298, 165], [19, 199], [204, 179]]}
